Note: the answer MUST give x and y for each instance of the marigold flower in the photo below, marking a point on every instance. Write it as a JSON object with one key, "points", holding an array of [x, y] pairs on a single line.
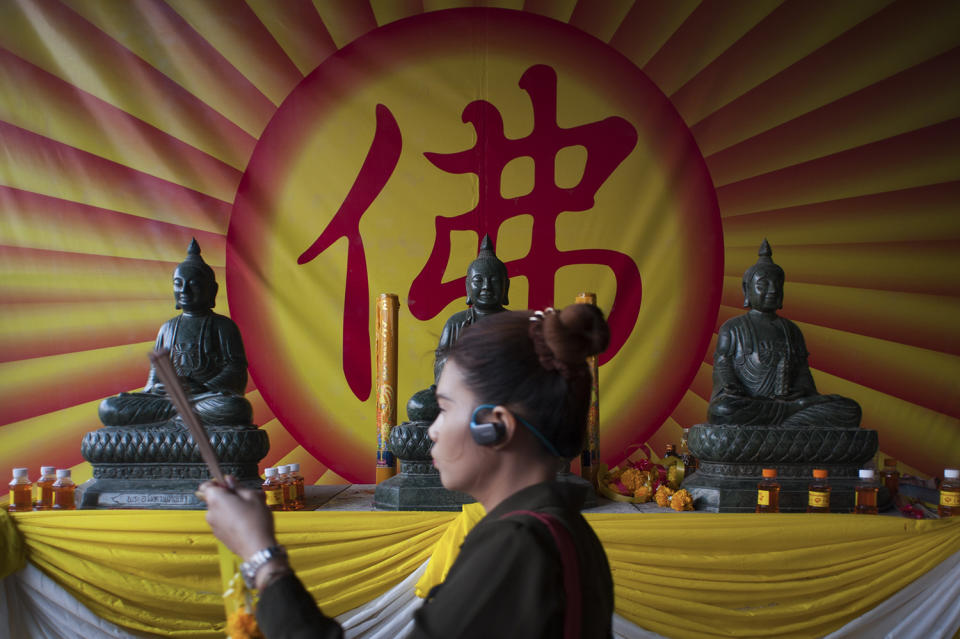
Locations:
{"points": [[643, 494], [632, 479], [681, 500], [243, 625], [663, 495]]}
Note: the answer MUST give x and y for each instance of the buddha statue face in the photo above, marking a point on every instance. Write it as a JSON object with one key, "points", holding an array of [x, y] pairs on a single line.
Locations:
{"points": [[487, 285], [763, 290], [194, 289]]}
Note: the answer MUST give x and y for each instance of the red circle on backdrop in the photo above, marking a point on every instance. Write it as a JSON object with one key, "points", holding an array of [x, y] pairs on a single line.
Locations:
{"points": [[695, 290]]}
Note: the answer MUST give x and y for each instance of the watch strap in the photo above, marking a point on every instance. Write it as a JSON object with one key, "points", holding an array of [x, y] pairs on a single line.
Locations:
{"points": [[249, 568]]}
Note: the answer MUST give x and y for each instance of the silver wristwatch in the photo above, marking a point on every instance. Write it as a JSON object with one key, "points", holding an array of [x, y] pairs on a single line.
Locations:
{"points": [[249, 568]]}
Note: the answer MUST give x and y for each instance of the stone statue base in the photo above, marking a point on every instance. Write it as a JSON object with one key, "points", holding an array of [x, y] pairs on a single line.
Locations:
{"points": [[416, 486], [717, 490], [159, 466], [732, 459]]}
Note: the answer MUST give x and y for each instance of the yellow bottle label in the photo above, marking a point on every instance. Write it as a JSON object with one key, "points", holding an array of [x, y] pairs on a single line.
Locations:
{"points": [[949, 498], [274, 497], [763, 497], [818, 499]]}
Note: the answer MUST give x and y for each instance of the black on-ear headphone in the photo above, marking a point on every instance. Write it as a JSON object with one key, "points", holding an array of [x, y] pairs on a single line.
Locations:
{"points": [[487, 433]]}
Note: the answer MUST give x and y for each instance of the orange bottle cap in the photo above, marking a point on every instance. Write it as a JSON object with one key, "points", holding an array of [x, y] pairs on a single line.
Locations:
{"points": [[769, 472], [819, 473]]}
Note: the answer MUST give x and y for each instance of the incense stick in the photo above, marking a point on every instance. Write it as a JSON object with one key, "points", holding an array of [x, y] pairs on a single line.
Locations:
{"points": [[164, 368]]}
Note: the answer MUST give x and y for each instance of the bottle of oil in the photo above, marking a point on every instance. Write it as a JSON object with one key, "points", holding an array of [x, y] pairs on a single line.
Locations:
{"points": [[21, 491], [63, 491], [891, 476], [768, 492], [950, 493], [289, 490], [671, 452], [298, 485], [273, 489], [818, 495], [866, 498], [689, 461], [48, 475]]}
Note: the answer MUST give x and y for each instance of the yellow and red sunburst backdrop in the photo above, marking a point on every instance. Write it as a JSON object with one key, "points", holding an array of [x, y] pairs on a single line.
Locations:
{"points": [[325, 151]]}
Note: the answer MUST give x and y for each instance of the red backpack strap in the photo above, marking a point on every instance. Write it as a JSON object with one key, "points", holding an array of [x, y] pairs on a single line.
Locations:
{"points": [[571, 569]]}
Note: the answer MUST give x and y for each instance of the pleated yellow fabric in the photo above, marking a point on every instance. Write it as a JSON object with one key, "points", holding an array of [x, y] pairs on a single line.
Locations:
{"points": [[12, 556], [154, 571], [682, 575], [745, 575]]}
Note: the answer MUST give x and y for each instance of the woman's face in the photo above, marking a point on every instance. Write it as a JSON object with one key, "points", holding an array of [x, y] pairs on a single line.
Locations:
{"points": [[463, 464]]}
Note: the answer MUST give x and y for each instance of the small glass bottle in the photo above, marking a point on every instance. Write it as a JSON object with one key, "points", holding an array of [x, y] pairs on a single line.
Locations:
{"points": [[48, 475], [289, 490], [298, 485], [671, 452], [768, 492], [273, 489], [950, 494], [818, 495], [21, 491], [63, 491], [689, 461], [866, 497], [891, 476]]}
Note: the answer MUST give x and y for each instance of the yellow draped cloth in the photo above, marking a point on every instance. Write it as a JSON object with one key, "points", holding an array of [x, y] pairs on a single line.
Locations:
{"points": [[681, 575]]}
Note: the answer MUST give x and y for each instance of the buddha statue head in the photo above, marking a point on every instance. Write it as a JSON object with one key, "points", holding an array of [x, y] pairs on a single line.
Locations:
{"points": [[194, 283], [487, 280], [763, 282]]}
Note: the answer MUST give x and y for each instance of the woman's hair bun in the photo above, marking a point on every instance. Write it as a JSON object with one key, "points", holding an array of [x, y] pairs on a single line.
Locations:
{"points": [[575, 333]]}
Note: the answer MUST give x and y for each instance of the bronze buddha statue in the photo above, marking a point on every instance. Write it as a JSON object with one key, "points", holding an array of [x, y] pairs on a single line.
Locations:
{"points": [[765, 411], [206, 351], [144, 456], [487, 286], [417, 485], [760, 370]]}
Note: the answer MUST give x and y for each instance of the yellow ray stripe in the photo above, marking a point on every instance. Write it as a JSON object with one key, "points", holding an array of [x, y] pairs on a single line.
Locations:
{"points": [[330, 478], [298, 30], [916, 375], [557, 9], [912, 267], [929, 439], [387, 11], [788, 34], [76, 324], [692, 409], [926, 321], [647, 26], [246, 44], [45, 34], [38, 165], [58, 279], [927, 213], [600, 19], [709, 31], [44, 106], [58, 374], [893, 40], [346, 20], [146, 31], [55, 428], [916, 99], [57, 225]]}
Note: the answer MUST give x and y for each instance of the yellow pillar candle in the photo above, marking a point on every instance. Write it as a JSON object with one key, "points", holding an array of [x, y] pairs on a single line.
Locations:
{"points": [[387, 308]]}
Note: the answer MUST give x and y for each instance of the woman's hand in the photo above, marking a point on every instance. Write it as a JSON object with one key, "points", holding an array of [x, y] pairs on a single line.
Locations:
{"points": [[239, 517]]}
